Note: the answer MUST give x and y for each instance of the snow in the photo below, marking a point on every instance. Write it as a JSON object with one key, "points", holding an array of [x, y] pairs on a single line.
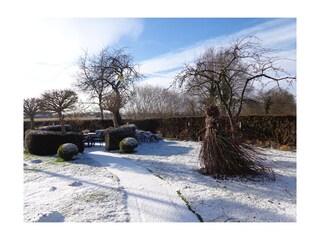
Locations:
{"points": [[143, 187], [147, 137], [150, 199], [77, 191], [225, 200]]}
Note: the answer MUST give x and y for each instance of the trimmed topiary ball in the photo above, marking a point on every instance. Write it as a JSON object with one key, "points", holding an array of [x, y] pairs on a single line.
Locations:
{"points": [[127, 145], [67, 151]]}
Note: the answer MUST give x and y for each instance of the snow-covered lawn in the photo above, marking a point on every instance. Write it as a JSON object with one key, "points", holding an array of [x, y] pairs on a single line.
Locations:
{"points": [[224, 200], [88, 189], [75, 191]]}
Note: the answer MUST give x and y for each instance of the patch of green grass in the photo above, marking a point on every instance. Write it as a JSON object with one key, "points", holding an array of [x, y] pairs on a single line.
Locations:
{"points": [[59, 160], [182, 197], [188, 205], [149, 170], [157, 175], [30, 170], [122, 152], [171, 139], [28, 155]]}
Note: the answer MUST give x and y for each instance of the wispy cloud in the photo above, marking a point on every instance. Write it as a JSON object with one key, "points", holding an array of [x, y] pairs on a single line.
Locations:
{"points": [[54, 45], [275, 34], [161, 79]]}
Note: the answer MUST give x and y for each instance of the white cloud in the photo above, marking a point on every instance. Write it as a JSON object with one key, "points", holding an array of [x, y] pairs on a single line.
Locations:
{"points": [[275, 34], [52, 47], [162, 80]]}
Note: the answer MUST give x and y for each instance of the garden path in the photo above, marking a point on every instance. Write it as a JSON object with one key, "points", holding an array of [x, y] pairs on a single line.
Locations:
{"points": [[149, 198]]}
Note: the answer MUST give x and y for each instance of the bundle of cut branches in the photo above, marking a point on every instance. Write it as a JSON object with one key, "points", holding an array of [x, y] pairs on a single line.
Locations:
{"points": [[222, 156]]}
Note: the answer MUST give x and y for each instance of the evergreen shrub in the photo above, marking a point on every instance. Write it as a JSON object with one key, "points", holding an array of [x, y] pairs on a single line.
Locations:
{"points": [[128, 145], [67, 151], [43, 143]]}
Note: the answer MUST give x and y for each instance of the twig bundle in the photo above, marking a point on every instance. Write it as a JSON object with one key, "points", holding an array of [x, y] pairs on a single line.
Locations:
{"points": [[222, 156]]}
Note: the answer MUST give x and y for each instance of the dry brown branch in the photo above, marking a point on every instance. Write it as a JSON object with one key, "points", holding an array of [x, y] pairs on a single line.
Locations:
{"points": [[222, 156]]}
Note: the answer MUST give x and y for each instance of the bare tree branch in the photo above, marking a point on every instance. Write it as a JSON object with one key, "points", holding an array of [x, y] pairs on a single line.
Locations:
{"points": [[58, 101], [223, 76]]}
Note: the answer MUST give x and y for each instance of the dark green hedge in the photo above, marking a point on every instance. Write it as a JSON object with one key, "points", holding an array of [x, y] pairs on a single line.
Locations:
{"points": [[115, 135], [281, 129], [55, 128], [76, 125], [42, 143]]}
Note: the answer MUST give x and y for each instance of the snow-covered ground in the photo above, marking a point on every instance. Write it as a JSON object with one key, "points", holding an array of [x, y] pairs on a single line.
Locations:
{"points": [[159, 182], [75, 191], [224, 200]]}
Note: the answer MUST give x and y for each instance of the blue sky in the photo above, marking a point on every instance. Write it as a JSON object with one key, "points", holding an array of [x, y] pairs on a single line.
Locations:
{"points": [[161, 35], [159, 45]]}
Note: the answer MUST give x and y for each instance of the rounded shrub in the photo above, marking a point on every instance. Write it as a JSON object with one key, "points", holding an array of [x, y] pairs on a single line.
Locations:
{"points": [[127, 145], [67, 151]]}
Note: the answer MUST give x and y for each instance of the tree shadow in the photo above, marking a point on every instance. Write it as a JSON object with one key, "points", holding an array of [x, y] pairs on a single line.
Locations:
{"points": [[163, 148], [71, 178], [284, 186], [283, 189], [227, 210], [119, 161]]}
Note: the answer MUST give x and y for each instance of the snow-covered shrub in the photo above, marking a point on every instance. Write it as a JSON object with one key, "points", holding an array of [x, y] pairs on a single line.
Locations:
{"points": [[146, 137], [128, 144], [67, 151]]}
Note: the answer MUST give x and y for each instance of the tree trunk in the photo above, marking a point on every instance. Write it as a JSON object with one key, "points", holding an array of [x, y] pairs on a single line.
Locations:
{"points": [[101, 113], [61, 120], [117, 120], [101, 108], [32, 122], [232, 124]]}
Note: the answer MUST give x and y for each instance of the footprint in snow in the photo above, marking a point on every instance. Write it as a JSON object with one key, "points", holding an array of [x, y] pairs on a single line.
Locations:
{"points": [[36, 161], [52, 189], [75, 184]]}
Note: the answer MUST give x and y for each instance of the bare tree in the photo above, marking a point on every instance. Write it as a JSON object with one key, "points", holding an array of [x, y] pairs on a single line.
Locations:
{"points": [[113, 102], [252, 106], [223, 76], [31, 106], [154, 101], [108, 75], [58, 101], [122, 76], [277, 101], [92, 71]]}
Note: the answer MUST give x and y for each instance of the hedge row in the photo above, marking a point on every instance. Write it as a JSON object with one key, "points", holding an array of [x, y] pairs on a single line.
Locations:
{"points": [[76, 125], [55, 128], [280, 129], [42, 143]]}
